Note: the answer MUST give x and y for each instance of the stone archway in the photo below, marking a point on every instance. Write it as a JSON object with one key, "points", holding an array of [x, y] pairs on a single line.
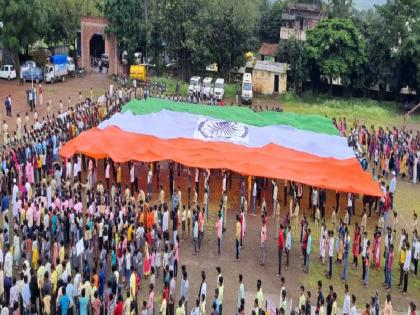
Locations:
{"points": [[90, 26]]}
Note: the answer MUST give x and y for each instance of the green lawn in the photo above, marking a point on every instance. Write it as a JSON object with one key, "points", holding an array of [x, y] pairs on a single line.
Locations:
{"points": [[368, 111]]}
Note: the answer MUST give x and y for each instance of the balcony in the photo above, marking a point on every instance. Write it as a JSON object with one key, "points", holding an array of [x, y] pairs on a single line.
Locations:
{"points": [[286, 33]]}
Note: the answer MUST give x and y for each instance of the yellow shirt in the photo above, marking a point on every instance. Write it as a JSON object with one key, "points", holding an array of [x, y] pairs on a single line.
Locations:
{"points": [[180, 310], [163, 307], [260, 297], [129, 233], [238, 230], [133, 285], [221, 290], [402, 256], [61, 254], [54, 279]]}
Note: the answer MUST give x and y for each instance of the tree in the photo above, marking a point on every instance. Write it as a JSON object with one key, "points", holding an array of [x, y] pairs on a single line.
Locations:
{"points": [[23, 24], [271, 20], [337, 50], [185, 31], [293, 52], [233, 33], [401, 29], [68, 13], [340, 8], [128, 21]]}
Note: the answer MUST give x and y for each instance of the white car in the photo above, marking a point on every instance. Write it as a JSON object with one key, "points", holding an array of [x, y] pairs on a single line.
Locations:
{"points": [[195, 85], [8, 72]]}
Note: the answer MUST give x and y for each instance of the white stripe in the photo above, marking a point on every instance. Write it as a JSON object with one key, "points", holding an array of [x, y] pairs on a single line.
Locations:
{"points": [[168, 124]]}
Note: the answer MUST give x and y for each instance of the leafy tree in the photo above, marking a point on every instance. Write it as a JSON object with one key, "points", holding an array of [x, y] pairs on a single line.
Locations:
{"points": [[337, 50], [293, 52], [340, 8], [23, 23], [127, 20], [401, 29], [271, 20], [68, 13], [233, 33], [185, 31]]}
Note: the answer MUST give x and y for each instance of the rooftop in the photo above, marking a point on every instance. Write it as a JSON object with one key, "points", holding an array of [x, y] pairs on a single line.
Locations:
{"points": [[270, 66], [269, 49]]}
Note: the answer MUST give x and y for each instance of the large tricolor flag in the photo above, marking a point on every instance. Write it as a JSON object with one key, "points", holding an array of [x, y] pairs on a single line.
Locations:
{"points": [[306, 149]]}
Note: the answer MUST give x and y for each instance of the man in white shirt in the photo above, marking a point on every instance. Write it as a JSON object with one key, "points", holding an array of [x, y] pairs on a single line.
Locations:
{"points": [[406, 267], [15, 192], [165, 222], [241, 292], [346, 302], [8, 270], [275, 192]]}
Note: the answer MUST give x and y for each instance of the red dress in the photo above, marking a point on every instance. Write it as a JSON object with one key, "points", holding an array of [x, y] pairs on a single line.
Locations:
{"points": [[356, 244]]}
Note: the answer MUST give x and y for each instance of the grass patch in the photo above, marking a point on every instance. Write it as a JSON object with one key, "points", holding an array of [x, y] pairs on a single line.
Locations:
{"points": [[368, 111]]}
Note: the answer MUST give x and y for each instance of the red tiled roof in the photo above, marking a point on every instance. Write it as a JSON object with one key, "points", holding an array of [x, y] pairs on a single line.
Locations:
{"points": [[268, 49]]}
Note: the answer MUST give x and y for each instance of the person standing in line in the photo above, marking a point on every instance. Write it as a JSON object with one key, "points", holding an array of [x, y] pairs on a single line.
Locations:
{"points": [[254, 198], [346, 256], [288, 245], [330, 252], [241, 292], [367, 263], [195, 234], [280, 247], [389, 265], [406, 267], [263, 240], [308, 250], [219, 230], [238, 235], [346, 301], [275, 192], [185, 290], [260, 296], [401, 262]]}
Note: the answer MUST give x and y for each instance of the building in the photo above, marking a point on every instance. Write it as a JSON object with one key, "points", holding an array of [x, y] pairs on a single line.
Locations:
{"points": [[269, 77], [94, 42], [268, 52], [297, 18]]}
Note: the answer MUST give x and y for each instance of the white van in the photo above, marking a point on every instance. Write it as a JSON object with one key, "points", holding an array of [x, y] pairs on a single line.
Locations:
{"points": [[247, 94], [195, 85], [207, 89], [219, 88]]}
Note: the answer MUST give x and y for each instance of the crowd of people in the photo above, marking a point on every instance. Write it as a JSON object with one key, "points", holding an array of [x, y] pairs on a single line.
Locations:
{"points": [[81, 241]]}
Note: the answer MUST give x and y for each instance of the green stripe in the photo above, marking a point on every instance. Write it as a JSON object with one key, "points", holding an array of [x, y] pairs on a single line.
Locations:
{"points": [[235, 113]]}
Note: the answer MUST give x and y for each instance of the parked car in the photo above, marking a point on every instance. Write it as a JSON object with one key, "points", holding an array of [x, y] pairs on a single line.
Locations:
{"points": [[8, 72], [33, 74], [28, 64]]}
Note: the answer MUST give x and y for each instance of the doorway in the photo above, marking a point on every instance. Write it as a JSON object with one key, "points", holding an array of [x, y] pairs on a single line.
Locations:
{"points": [[96, 48], [276, 83]]}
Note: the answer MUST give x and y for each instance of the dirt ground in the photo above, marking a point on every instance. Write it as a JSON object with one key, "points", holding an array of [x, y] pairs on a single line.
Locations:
{"points": [[407, 199], [54, 92]]}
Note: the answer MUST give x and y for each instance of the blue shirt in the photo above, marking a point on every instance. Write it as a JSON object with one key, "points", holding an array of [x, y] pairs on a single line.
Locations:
{"points": [[392, 185], [83, 303], [64, 304], [308, 245], [5, 203]]}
